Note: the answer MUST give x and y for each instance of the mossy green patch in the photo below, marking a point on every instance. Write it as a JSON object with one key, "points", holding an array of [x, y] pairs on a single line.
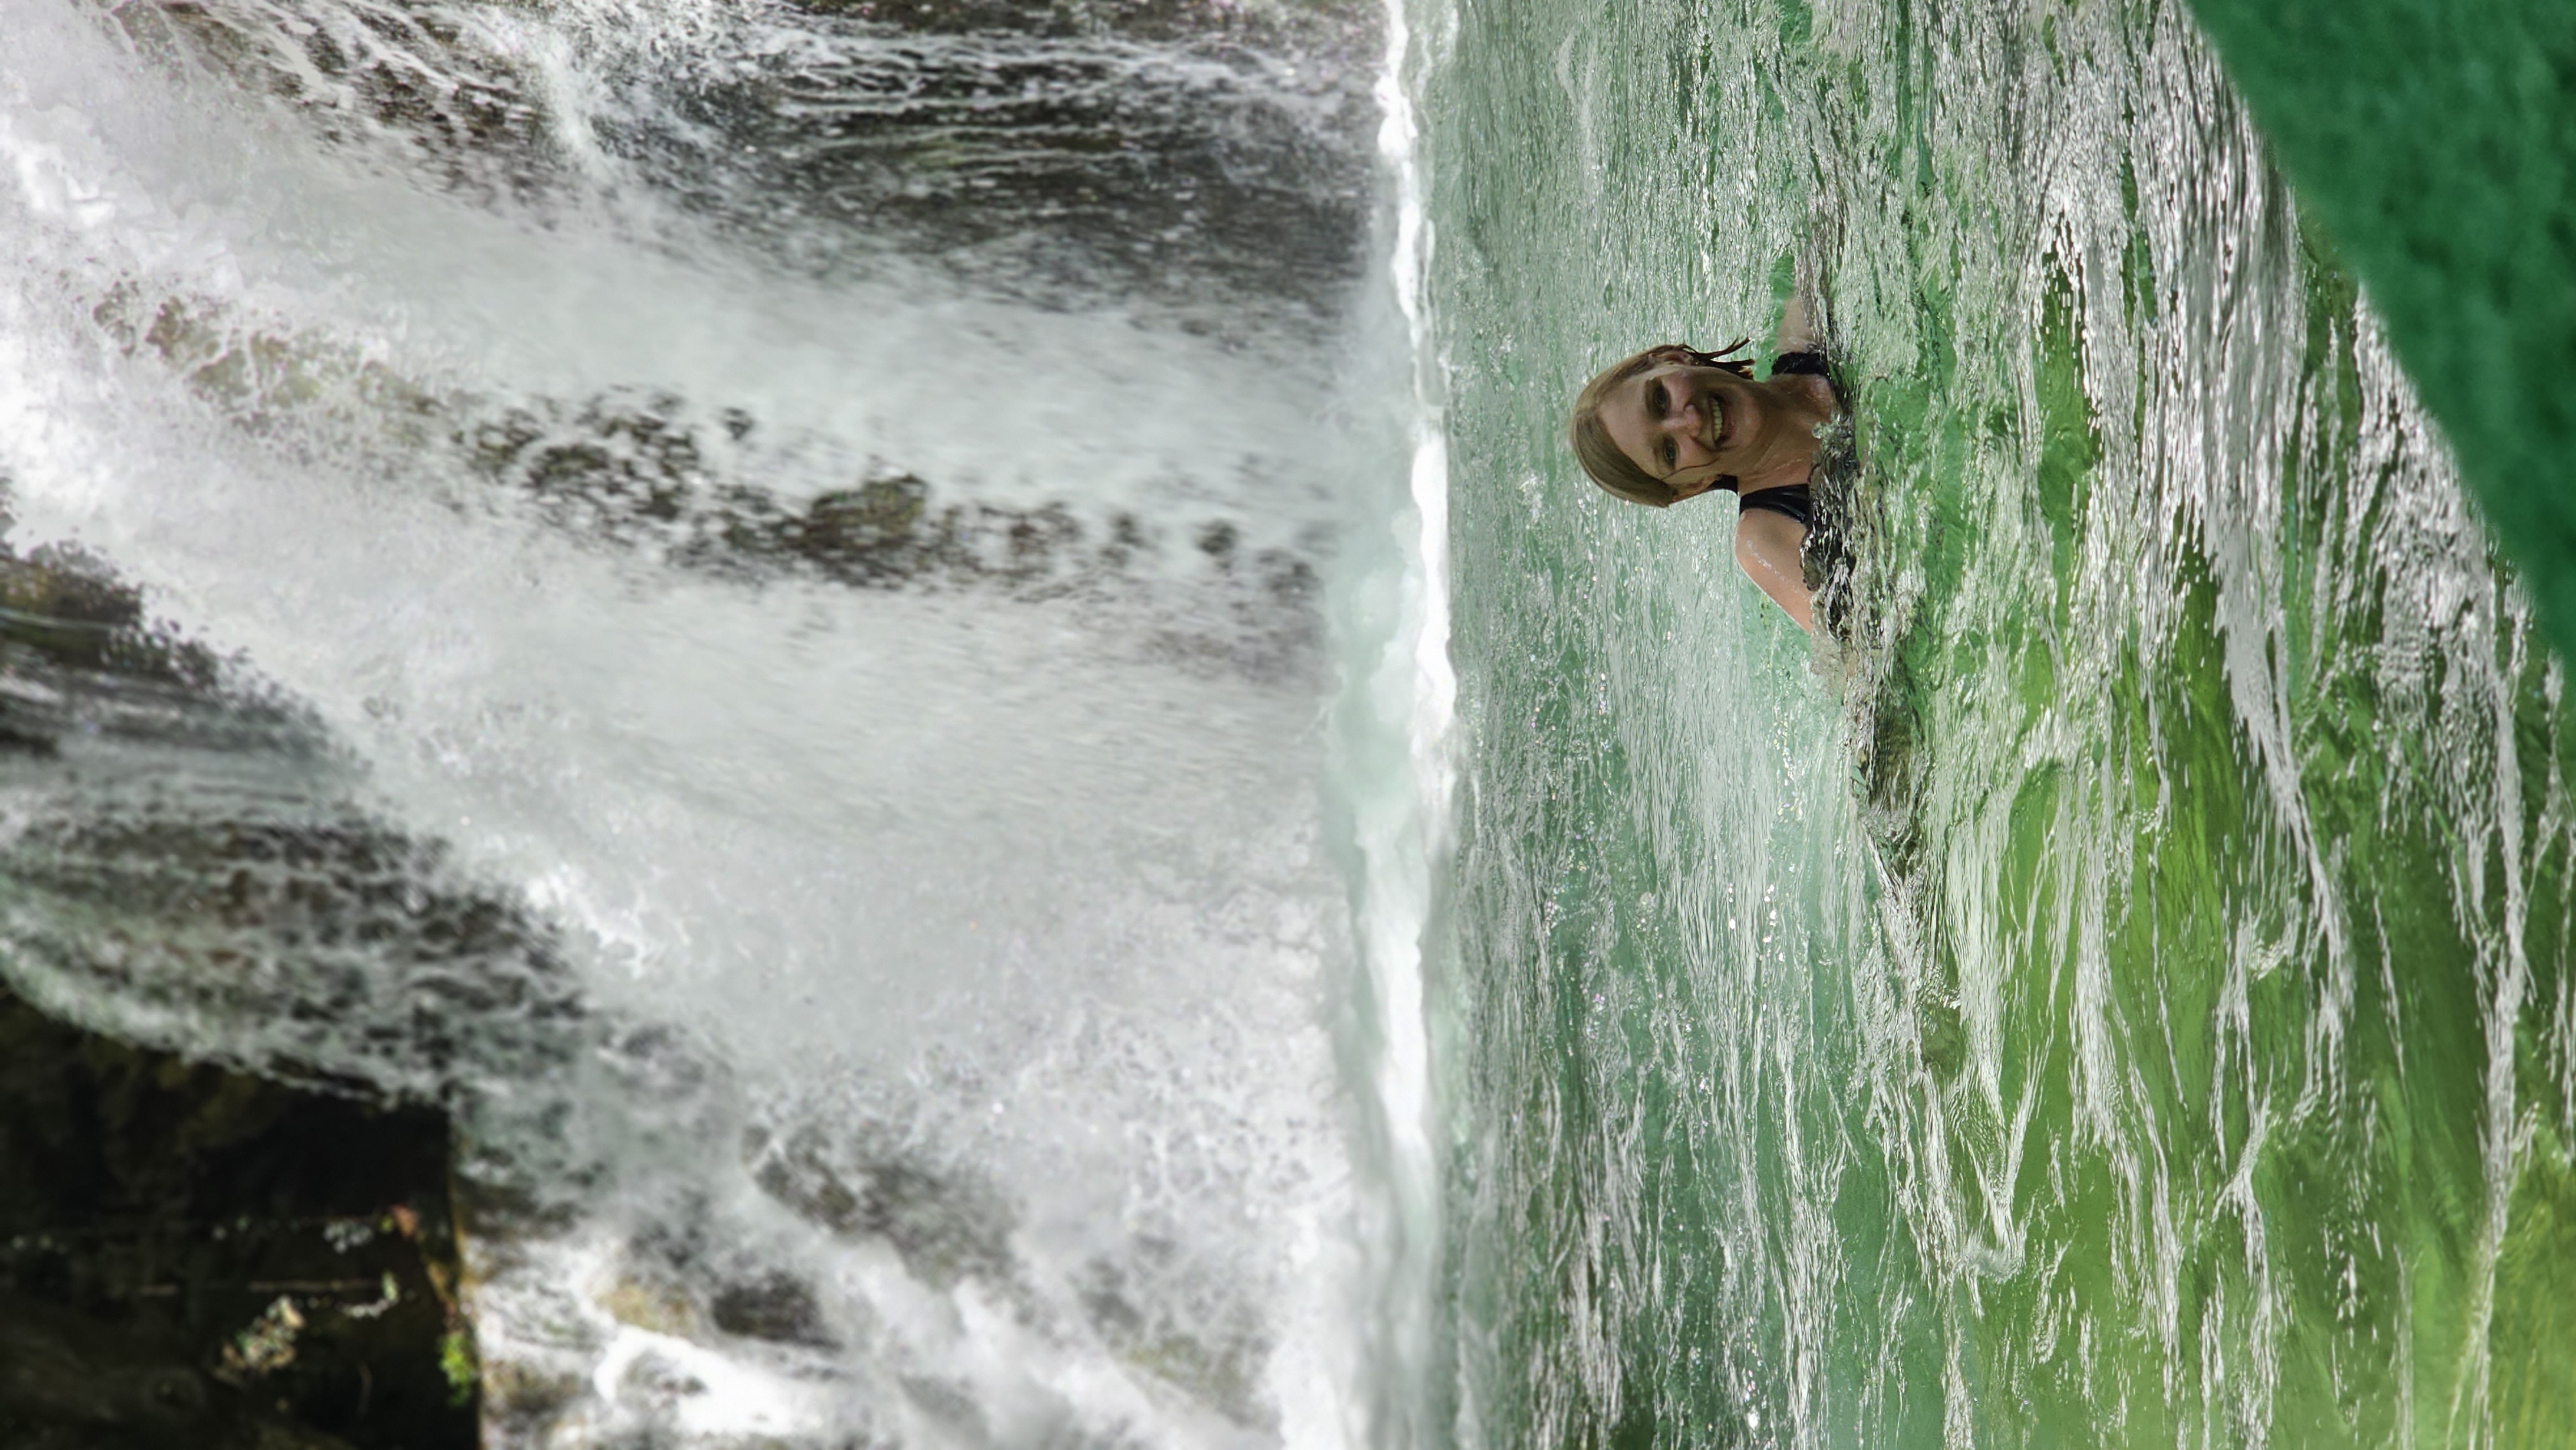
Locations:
{"points": [[2436, 140]]}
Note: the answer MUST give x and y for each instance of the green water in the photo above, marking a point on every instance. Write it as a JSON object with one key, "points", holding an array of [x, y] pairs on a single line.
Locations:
{"points": [[2115, 997]]}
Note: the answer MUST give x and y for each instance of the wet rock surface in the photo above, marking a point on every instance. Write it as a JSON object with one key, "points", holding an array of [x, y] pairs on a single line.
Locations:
{"points": [[635, 472], [945, 1229], [643, 471], [1055, 160], [192, 1255], [1190, 151]]}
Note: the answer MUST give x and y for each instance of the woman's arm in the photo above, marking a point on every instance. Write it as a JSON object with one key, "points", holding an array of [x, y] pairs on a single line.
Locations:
{"points": [[1766, 547], [1797, 327]]}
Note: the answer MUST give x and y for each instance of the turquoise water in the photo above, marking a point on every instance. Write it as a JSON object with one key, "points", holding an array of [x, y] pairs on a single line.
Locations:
{"points": [[2113, 995]]}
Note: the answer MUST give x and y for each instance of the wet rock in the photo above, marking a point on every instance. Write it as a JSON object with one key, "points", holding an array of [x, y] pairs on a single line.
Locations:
{"points": [[1193, 149], [1210, 156], [775, 1307], [945, 1229], [635, 469], [419, 83], [862, 530], [641, 470], [245, 888], [1214, 1349], [1140, 19], [72, 1373], [67, 1380], [78, 657], [196, 1257]]}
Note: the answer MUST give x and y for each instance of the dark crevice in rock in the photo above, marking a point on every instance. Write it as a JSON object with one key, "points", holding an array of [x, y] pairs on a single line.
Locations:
{"points": [[196, 1257]]}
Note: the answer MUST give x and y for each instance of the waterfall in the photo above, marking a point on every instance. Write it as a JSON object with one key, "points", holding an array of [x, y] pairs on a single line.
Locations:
{"points": [[758, 592]]}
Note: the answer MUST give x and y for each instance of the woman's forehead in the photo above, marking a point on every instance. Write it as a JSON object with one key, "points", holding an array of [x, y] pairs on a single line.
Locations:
{"points": [[1632, 388], [1624, 414]]}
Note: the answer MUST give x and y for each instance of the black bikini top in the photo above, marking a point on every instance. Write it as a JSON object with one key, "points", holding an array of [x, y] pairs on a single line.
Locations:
{"points": [[1792, 499], [1810, 363]]}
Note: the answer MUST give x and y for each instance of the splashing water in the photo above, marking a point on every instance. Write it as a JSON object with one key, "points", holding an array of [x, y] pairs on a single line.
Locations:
{"points": [[739, 594]]}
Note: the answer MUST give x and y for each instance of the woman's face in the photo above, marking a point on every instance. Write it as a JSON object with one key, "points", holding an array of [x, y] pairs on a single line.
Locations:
{"points": [[1683, 423]]}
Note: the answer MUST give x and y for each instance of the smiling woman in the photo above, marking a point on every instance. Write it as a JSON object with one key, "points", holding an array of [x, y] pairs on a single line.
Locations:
{"points": [[1672, 423]]}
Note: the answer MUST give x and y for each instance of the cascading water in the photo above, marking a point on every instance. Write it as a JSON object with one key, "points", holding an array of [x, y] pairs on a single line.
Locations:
{"points": [[742, 597]]}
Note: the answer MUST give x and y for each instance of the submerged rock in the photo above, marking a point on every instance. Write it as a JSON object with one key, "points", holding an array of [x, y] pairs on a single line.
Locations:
{"points": [[776, 1307], [945, 1227]]}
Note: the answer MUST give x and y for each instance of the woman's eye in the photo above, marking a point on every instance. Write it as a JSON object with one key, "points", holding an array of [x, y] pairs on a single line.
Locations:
{"points": [[1655, 399], [1671, 455]]}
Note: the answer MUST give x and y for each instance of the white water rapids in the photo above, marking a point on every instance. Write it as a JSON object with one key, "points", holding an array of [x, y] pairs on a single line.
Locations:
{"points": [[887, 707]]}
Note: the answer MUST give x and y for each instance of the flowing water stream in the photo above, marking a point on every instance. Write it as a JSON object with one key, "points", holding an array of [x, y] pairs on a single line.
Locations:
{"points": [[2112, 994], [834, 623]]}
